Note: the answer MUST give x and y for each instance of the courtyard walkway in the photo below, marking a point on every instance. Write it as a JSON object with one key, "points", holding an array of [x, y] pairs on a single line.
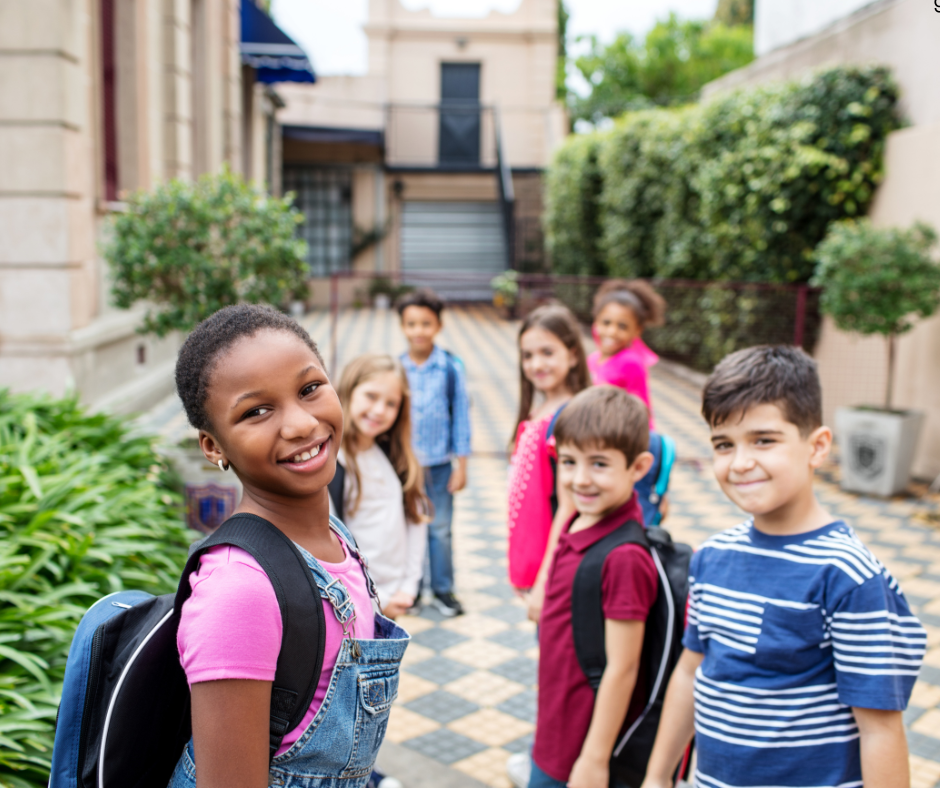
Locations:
{"points": [[467, 692]]}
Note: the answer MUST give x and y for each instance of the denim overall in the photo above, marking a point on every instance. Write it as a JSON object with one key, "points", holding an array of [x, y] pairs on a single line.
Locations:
{"points": [[340, 745]]}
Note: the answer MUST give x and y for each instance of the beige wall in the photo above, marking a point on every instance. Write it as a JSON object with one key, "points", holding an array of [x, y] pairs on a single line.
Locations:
{"points": [[904, 34], [56, 327]]}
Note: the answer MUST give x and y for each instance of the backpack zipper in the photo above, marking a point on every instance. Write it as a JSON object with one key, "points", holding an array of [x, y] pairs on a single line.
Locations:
{"points": [[90, 691]]}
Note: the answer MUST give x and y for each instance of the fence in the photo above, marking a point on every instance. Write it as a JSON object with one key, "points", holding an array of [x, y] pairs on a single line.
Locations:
{"points": [[704, 320]]}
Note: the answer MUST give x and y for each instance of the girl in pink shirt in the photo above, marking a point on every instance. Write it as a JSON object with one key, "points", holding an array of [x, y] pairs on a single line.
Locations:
{"points": [[622, 309], [552, 369], [255, 386]]}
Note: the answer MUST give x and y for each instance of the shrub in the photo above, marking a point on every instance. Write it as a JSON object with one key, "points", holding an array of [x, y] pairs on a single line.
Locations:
{"points": [[878, 281], [191, 248], [85, 510], [740, 188]]}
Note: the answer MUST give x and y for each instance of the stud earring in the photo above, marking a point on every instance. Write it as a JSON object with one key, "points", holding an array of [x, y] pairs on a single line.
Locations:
{"points": [[222, 466]]}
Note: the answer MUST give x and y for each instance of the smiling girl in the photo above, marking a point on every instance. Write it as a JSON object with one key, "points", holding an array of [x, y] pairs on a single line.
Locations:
{"points": [[254, 385], [383, 498], [552, 369], [622, 310]]}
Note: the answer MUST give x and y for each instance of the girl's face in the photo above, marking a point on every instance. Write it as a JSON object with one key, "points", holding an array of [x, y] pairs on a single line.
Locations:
{"points": [[546, 361], [275, 417], [615, 327], [375, 404]]}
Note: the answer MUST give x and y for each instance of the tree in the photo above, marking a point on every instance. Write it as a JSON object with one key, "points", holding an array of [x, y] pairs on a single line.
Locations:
{"points": [[669, 67], [188, 249], [561, 66], [735, 12]]}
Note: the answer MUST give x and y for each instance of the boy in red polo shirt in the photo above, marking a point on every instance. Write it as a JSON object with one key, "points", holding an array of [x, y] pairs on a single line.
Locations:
{"points": [[601, 437]]}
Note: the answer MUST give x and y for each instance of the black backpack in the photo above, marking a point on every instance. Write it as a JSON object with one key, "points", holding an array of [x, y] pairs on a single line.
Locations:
{"points": [[662, 642], [124, 718]]}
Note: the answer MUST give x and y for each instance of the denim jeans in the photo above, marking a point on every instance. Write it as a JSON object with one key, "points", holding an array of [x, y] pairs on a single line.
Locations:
{"points": [[440, 550], [338, 748]]}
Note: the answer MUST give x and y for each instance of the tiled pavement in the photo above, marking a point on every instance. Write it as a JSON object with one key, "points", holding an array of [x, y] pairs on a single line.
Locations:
{"points": [[467, 691]]}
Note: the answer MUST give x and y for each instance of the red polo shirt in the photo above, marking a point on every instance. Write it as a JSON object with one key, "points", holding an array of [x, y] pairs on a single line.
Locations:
{"points": [[566, 700]]}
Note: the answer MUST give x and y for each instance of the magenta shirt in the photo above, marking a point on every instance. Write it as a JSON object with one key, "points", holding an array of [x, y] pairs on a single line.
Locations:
{"points": [[530, 511], [626, 369], [230, 628]]}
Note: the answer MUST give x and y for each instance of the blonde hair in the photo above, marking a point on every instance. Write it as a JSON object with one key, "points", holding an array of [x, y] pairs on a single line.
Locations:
{"points": [[396, 442]]}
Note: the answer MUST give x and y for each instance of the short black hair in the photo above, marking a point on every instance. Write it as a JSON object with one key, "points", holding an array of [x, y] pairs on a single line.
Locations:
{"points": [[211, 338], [781, 375], [607, 417], [423, 296]]}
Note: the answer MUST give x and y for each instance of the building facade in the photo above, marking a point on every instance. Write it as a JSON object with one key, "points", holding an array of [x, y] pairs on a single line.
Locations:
{"points": [[801, 35], [434, 155]]}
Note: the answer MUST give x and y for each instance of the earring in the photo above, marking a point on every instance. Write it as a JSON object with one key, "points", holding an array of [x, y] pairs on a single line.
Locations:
{"points": [[222, 466]]}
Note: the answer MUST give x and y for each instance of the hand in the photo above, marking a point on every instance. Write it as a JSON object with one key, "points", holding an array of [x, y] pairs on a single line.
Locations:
{"points": [[589, 773], [536, 599], [398, 605], [458, 477], [664, 508]]}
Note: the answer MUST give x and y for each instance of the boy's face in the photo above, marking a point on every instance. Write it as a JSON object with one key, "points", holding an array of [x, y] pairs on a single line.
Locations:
{"points": [[420, 325], [599, 479], [762, 462]]}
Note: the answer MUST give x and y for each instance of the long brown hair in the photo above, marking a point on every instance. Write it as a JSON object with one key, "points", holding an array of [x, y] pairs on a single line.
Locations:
{"points": [[396, 442], [557, 319]]}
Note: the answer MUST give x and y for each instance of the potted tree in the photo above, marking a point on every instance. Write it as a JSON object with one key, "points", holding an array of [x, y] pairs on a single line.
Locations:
{"points": [[877, 281]]}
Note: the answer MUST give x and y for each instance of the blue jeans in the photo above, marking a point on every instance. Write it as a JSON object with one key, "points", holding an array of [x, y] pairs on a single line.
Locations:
{"points": [[440, 549]]}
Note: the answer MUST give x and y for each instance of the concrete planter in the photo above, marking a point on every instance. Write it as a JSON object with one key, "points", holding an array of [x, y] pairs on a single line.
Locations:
{"points": [[211, 495], [877, 449], [382, 301]]}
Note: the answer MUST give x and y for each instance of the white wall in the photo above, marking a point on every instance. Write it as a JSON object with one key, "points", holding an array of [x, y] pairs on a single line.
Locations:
{"points": [[777, 23]]}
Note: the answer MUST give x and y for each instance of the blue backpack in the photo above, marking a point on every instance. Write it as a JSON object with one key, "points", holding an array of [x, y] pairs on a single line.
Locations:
{"points": [[124, 718]]}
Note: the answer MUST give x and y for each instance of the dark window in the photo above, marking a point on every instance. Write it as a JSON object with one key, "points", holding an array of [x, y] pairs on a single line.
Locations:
{"points": [[459, 139], [108, 100], [324, 196]]}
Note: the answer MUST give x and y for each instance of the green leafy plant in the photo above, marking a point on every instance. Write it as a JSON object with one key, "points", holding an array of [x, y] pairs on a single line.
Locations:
{"points": [[191, 248], [85, 510], [505, 288], [878, 281]]}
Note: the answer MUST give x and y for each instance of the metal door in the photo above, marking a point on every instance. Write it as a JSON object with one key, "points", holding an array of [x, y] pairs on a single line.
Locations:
{"points": [[459, 137]]}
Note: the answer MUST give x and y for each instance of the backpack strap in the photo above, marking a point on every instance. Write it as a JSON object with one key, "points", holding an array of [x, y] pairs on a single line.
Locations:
{"points": [[666, 461], [337, 488], [304, 625], [553, 461], [450, 373], [587, 608]]}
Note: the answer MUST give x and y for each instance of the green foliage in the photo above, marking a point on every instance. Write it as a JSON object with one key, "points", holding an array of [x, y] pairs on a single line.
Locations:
{"points": [[877, 281], [191, 248], [506, 288], [741, 188], [84, 511], [561, 66], [735, 12], [668, 67]]}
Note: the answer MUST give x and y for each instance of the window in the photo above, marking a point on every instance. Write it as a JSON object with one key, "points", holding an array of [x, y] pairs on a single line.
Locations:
{"points": [[324, 196]]}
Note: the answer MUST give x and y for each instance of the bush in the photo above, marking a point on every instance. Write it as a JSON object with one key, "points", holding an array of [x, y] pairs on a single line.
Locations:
{"points": [[192, 248], [85, 510], [741, 188]]}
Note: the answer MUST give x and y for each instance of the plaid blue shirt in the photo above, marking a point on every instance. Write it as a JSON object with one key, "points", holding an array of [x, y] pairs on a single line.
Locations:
{"points": [[436, 440]]}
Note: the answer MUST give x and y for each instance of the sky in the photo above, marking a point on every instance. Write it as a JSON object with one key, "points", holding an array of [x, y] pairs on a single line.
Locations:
{"points": [[330, 30]]}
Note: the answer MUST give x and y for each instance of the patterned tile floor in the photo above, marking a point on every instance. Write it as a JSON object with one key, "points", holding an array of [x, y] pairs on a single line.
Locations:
{"points": [[467, 692]]}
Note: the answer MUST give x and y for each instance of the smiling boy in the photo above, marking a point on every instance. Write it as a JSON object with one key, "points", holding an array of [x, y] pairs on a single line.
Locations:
{"points": [[601, 437], [801, 651]]}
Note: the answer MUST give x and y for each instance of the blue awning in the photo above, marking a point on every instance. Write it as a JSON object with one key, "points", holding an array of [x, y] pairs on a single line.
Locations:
{"points": [[270, 51]]}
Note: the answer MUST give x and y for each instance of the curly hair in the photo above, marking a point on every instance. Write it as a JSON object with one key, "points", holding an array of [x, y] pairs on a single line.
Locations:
{"points": [[212, 338], [648, 306]]}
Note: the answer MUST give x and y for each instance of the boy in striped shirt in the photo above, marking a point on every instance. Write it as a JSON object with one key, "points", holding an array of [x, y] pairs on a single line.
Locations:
{"points": [[800, 651]]}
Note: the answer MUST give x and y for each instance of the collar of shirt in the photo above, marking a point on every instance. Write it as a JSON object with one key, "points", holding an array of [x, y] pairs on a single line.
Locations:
{"points": [[582, 540], [435, 359]]}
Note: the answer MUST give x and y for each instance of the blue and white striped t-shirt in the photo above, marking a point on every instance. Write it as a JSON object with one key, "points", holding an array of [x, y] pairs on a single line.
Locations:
{"points": [[795, 630]]}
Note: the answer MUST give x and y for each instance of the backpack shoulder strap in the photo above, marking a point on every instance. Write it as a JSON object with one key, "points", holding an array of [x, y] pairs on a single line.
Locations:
{"points": [[337, 488], [666, 461], [304, 625], [587, 610], [549, 431]]}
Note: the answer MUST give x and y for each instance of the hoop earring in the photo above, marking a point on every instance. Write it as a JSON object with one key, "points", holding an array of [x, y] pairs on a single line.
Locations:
{"points": [[222, 466]]}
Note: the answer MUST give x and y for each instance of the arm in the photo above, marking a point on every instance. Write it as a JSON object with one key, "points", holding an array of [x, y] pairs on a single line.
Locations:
{"points": [[461, 432], [624, 645], [564, 513], [458, 477], [231, 720], [416, 536], [884, 748], [677, 724]]}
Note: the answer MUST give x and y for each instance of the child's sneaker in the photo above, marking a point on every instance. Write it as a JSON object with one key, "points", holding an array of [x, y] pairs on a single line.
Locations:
{"points": [[519, 769], [447, 605], [379, 780]]}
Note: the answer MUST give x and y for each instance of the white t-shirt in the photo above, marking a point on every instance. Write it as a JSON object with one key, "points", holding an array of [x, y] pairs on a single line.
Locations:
{"points": [[394, 548]]}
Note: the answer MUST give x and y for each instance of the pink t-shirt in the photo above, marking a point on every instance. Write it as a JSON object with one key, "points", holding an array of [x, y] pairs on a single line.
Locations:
{"points": [[530, 511], [230, 627], [626, 369]]}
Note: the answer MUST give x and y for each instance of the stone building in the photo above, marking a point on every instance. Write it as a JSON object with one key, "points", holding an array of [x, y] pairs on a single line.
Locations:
{"points": [[98, 98]]}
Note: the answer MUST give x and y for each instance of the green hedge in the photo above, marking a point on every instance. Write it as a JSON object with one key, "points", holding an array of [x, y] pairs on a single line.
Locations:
{"points": [[85, 509], [741, 188]]}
